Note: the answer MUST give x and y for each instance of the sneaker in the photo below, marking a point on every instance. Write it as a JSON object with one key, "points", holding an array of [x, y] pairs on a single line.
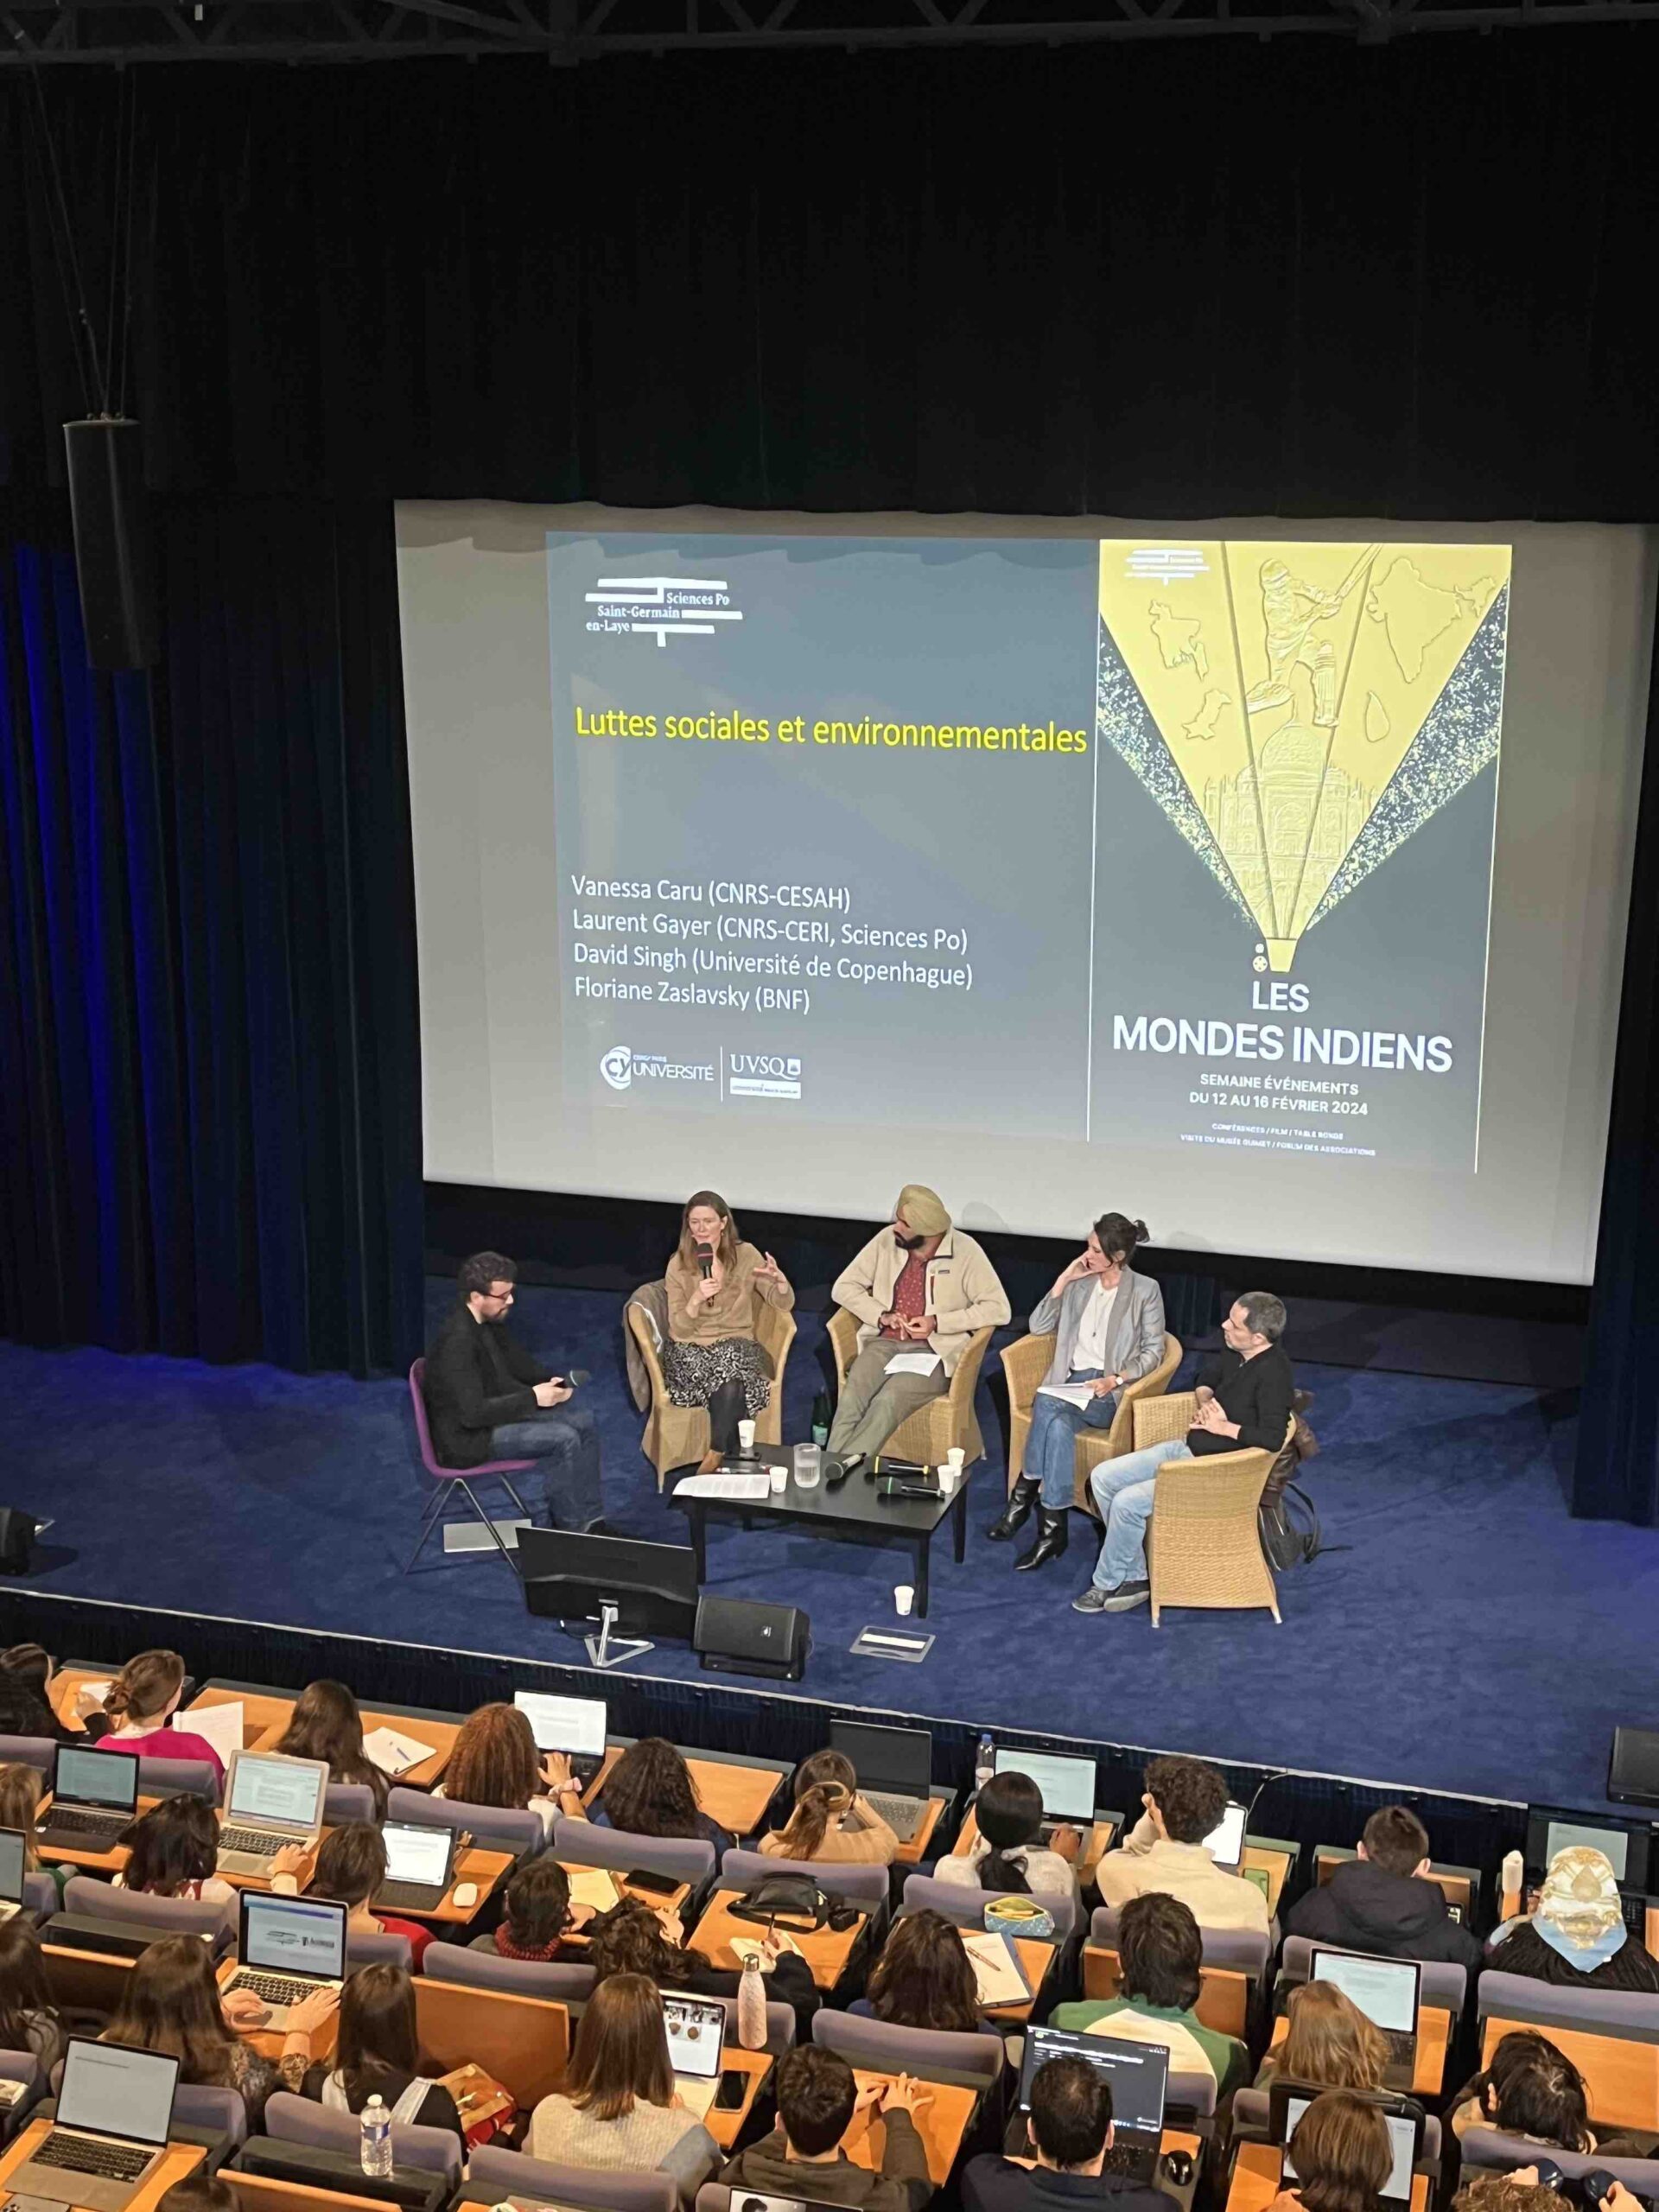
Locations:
{"points": [[1092, 1601], [1126, 1597]]}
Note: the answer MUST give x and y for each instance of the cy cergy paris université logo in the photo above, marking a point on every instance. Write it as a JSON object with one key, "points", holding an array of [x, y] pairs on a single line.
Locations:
{"points": [[661, 606], [1298, 710], [617, 1067], [621, 1066]]}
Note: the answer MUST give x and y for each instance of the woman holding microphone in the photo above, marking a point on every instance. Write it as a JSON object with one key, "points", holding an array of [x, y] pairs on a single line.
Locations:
{"points": [[711, 1358]]}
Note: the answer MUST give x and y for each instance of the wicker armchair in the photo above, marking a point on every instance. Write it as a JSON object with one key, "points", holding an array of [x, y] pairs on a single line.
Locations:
{"points": [[932, 1429], [1024, 1364], [1203, 1544], [677, 1435]]}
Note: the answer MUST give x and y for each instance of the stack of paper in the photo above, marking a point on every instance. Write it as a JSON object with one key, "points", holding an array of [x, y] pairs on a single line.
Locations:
{"points": [[996, 1970], [742, 1489], [592, 1885], [913, 1363], [221, 1726], [1079, 1395], [393, 1753]]}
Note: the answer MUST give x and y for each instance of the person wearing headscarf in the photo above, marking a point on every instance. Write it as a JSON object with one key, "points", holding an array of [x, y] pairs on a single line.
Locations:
{"points": [[919, 1285], [1575, 1936]]}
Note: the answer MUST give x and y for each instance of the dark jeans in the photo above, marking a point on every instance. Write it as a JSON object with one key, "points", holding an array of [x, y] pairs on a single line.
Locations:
{"points": [[566, 1436]]}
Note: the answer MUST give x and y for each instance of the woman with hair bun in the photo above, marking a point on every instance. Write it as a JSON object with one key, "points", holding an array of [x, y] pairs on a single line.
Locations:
{"points": [[142, 1702], [1108, 1326], [832, 1821]]}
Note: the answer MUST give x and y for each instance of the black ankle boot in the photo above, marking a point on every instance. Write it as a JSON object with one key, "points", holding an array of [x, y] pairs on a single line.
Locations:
{"points": [[1051, 1540], [1016, 1512]]}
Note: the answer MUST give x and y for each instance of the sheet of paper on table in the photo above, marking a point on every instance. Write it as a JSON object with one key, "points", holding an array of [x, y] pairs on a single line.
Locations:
{"points": [[394, 1752], [593, 1886], [996, 1970], [743, 1489], [221, 1726]]}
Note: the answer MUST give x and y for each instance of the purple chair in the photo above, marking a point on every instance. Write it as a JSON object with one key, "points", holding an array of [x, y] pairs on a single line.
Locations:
{"points": [[889, 2048], [502, 2174], [378, 1948], [179, 1778], [1542, 2004], [965, 1905], [585, 1843], [346, 1804], [220, 2111], [216, 1923], [40, 1897], [495, 1827], [864, 1886], [447, 1480], [289, 2119], [39, 1752], [20, 2066], [565, 1983]]}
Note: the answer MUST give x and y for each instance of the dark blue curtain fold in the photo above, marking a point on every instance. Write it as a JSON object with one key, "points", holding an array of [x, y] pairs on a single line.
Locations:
{"points": [[210, 1111]]}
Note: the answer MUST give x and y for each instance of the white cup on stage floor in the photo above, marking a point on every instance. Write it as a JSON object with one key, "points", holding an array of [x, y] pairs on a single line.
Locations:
{"points": [[903, 1597], [779, 1480], [746, 1437], [809, 1464]]}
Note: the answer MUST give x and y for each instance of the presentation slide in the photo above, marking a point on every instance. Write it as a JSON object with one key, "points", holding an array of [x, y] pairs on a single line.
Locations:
{"points": [[1193, 872]]}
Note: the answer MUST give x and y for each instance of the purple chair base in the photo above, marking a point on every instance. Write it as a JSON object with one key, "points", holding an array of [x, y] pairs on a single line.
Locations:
{"points": [[447, 1480]]}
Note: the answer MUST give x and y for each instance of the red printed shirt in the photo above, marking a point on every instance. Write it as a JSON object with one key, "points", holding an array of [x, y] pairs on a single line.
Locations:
{"points": [[909, 1292]]}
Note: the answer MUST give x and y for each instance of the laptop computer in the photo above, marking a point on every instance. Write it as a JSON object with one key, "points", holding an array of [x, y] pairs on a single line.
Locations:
{"points": [[1387, 1992], [1067, 1784], [114, 2110], [1289, 2100], [13, 1855], [286, 1948], [270, 1801], [1139, 2074], [894, 1767], [751, 2200], [1225, 1842], [1627, 1850], [574, 1726], [94, 1796], [696, 2036], [420, 1865]]}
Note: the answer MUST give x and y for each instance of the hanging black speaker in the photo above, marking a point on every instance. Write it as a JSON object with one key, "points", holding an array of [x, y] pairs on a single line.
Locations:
{"points": [[112, 546]]}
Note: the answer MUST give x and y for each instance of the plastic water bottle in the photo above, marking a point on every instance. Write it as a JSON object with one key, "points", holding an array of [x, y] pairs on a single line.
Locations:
{"points": [[374, 2138], [752, 2008], [984, 1761]]}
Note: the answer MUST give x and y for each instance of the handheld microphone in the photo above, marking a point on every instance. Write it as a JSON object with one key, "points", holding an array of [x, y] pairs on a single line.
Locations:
{"points": [[575, 1378], [706, 1260]]}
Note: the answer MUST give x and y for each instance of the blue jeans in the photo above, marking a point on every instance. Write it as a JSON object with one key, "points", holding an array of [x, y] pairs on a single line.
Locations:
{"points": [[1123, 1490], [566, 1436], [1051, 1457]]}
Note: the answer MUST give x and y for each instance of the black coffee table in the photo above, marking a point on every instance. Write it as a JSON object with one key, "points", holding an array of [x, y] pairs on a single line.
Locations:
{"points": [[849, 1508]]}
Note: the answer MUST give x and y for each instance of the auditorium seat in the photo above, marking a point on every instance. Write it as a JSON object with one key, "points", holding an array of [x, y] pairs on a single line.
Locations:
{"points": [[567, 1982], [217, 2110], [164, 1915], [864, 1886], [943, 1422], [346, 1804], [179, 1778], [20, 2066], [290, 2119], [888, 2049], [492, 1828], [682, 1859], [966, 1906], [1203, 1543], [1610, 2035], [1487, 2149], [39, 1752], [1025, 1363], [677, 1436], [40, 1899], [523, 2041], [497, 2175], [1252, 2117], [370, 1947], [1233, 1974]]}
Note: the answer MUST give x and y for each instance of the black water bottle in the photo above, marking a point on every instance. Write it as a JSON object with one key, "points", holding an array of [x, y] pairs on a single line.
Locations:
{"points": [[821, 1418]]}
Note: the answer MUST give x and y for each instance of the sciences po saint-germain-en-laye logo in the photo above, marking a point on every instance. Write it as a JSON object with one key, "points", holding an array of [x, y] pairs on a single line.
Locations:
{"points": [[661, 606]]}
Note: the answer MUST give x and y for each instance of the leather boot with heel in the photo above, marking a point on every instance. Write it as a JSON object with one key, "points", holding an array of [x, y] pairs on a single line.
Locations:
{"points": [[1051, 1540], [1016, 1512]]}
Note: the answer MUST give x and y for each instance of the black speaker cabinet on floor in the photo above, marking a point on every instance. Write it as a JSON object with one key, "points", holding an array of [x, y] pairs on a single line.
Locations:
{"points": [[113, 547], [736, 1636], [18, 1531]]}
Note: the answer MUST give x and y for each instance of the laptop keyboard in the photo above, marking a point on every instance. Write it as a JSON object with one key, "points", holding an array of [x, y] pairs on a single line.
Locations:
{"points": [[110, 2161], [68, 1821], [414, 1894], [271, 1988], [1132, 2158], [902, 1814], [253, 1842]]}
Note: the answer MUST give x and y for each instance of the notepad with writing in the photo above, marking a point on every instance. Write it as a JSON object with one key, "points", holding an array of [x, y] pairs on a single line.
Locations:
{"points": [[394, 1753], [221, 1726], [996, 1970]]}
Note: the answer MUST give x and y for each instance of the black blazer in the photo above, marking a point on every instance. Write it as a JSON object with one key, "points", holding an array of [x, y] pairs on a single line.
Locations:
{"points": [[991, 2183], [464, 1397]]}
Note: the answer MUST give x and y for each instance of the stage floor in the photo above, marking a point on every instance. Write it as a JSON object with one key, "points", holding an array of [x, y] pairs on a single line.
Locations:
{"points": [[1467, 1637]]}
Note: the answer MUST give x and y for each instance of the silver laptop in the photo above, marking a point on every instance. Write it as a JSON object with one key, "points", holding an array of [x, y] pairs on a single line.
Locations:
{"points": [[270, 1801], [1387, 1992], [894, 1767], [13, 1854], [1067, 1784], [696, 2036], [286, 1948], [114, 2110], [94, 1797], [1225, 1842]]}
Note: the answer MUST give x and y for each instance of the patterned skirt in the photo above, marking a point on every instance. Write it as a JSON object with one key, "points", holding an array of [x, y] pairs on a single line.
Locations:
{"points": [[694, 1372]]}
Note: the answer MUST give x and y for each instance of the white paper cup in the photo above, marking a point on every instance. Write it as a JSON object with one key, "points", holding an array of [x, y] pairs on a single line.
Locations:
{"points": [[746, 1436], [903, 1597], [954, 1459], [779, 1478]]}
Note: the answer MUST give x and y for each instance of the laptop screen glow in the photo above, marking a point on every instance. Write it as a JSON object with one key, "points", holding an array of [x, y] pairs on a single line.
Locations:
{"points": [[565, 1724], [279, 1792], [1385, 1990], [696, 2031], [1068, 1785], [114, 2089], [1612, 1843], [105, 1779], [1402, 2142], [12, 1865], [1225, 1842], [294, 1936], [1138, 2072], [416, 1854]]}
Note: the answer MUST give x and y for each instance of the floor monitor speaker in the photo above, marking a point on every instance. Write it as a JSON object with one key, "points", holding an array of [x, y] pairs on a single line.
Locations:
{"points": [[741, 1636]]}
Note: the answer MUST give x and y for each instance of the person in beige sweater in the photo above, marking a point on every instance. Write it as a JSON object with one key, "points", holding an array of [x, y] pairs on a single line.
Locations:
{"points": [[832, 1821], [919, 1285], [1163, 1851], [711, 1357]]}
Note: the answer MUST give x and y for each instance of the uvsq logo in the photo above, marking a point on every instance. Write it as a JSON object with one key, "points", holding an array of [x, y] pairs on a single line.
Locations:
{"points": [[617, 1067], [661, 606]]}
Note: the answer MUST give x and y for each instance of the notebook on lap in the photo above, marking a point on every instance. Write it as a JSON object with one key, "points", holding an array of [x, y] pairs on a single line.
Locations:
{"points": [[1139, 2074], [94, 1796], [114, 2110], [1387, 1991], [420, 1866], [287, 1947], [271, 1802], [894, 1767], [696, 2035], [1067, 1784]]}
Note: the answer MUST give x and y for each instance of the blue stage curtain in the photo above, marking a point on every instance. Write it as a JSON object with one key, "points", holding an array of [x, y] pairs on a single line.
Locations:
{"points": [[210, 1111]]}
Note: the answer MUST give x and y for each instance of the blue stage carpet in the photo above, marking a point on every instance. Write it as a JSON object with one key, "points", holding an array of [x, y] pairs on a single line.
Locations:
{"points": [[1471, 1638]]}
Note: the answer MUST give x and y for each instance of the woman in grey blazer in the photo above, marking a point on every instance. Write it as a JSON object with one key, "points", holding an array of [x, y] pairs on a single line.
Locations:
{"points": [[1108, 1326]]}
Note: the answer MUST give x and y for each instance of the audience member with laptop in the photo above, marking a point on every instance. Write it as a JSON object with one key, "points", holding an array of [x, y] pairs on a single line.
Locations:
{"points": [[1328, 2042], [94, 1797], [377, 2055], [832, 1820], [28, 2018], [892, 1770], [351, 1867], [621, 2109], [536, 1917], [22, 1788], [141, 1702], [1340, 2158], [1160, 1958], [1386, 1899], [635, 1937], [173, 1852], [115, 2107], [1014, 1849], [1576, 1936], [1081, 2146], [326, 1725], [272, 1818], [495, 1763], [171, 2003], [819, 2105], [1186, 1802], [650, 1791]]}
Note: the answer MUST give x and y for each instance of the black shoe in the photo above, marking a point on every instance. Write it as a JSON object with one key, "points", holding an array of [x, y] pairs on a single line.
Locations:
{"points": [[599, 1528], [1127, 1597], [1051, 1540], [1016, 1512]]}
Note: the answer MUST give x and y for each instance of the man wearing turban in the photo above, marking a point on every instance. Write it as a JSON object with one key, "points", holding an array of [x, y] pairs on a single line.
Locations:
{"points": [[919, 1285]]}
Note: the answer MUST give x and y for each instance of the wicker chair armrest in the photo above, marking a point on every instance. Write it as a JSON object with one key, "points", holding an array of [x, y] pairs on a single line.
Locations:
{"points": [[1025, 1363], [774, 1332], [965, 1380], [642, 1337], [1164, 1421], [843, 1332]]}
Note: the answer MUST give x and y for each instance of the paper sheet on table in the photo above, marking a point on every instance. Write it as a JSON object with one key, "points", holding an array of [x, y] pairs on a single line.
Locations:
{"points": [[394, 1753], [738, 1487], [592, 1885], [996, 1970], [96, 1692], [1071, 1394], [219, 1724], [745, 1948], [913, 1363]]}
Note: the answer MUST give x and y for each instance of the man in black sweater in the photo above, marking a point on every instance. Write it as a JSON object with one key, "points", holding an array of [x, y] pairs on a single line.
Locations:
{"points": [[1386, 1901], [1071, 2132], [1244, 1395], [487, 1399]]}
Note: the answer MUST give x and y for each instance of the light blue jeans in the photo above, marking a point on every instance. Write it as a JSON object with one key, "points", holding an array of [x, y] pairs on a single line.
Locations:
{"points": [[1123, 1490], [1051, 1457]]}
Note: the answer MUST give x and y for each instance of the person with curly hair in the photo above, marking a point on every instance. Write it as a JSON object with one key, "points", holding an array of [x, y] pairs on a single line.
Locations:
{"points": [[1164, 1850]]}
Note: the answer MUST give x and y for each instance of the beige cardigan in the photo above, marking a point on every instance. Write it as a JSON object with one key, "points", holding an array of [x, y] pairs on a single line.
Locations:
{"points": [[730, 1312], [964, 1293]]}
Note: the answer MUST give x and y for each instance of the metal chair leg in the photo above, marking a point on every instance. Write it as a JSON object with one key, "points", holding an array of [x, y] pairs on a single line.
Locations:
{"points": [[429, 1523], [471, 1499], [519, 1505]]}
